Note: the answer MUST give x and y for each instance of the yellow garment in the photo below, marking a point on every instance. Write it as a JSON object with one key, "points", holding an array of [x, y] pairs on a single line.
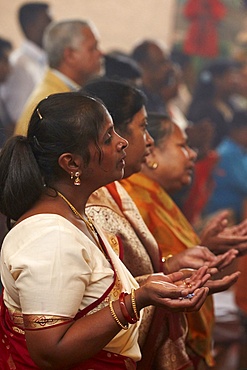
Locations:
{"points": [[50, 84], [174, 234]]}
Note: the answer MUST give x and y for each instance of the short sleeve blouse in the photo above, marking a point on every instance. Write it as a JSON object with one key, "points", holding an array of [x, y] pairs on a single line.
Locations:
{"points": [[48, 266]]}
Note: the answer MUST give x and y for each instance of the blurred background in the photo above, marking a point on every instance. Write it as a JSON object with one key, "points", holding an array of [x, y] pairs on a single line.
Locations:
{"points": [[124, 23], [194, 33], [120, 23]]}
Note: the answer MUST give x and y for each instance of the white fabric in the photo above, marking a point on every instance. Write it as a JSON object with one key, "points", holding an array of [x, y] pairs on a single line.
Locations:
{"points": [[72, 85], [177, 115], [48, 266], [28, 66]]}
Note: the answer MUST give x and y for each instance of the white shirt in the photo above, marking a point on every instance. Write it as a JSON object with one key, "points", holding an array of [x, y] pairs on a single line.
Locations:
{"points": [[28, 66]]}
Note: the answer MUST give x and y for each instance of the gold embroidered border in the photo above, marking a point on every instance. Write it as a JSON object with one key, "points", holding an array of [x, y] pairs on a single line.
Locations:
{"points": [[43, 321]]}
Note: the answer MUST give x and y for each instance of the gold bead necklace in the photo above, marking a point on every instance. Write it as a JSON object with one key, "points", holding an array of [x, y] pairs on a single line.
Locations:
{"points": [[88, 222]]}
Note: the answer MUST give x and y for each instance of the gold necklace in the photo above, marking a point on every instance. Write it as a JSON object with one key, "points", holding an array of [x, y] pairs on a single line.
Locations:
{"points": [[89, 224]]}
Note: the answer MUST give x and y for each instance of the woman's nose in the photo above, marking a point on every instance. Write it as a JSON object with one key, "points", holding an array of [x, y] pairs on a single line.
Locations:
{"points": [[193, 154], [122, 144], [149, 139]]}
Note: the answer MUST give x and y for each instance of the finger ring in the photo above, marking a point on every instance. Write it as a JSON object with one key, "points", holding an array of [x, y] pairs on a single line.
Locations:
{"points": [[187, 284]]}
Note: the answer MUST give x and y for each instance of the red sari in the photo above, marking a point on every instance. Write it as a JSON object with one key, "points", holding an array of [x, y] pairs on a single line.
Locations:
{"points": [[14, 354]]}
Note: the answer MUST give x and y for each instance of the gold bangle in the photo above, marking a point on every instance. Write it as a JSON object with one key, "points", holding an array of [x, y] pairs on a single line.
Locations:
{"points": [[114, 315], [133, 303], [165, 260]]}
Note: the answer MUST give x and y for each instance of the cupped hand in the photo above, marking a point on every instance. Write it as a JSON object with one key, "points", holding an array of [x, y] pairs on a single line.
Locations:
{"points": [[219, 238], [170, 291], [239, 229], [219, 285], [223, 260], [194, 258]]}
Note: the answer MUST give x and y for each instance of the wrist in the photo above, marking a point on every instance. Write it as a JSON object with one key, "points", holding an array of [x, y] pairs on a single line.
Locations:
{"points": [[142, 298], [130, 317], [166, 263]]}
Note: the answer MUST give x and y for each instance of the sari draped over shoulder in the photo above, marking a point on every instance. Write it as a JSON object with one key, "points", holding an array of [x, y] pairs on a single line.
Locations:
{"points": [[112, 208], [122, 352], [174, 234]]}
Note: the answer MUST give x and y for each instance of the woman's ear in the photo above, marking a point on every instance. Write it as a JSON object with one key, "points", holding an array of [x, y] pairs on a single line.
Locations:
{"points": [[70, 162]]}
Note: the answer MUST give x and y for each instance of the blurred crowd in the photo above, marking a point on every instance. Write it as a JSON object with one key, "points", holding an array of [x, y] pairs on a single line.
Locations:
{"points": [[208, 109]]}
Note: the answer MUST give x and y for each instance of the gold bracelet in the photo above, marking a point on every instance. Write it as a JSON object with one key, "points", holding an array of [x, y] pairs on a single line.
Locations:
{"points": [[133, 303], [114, 315], [165, 260]]}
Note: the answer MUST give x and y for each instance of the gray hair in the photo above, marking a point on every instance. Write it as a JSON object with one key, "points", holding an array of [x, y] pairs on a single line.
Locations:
{"points": [[60, 35]]}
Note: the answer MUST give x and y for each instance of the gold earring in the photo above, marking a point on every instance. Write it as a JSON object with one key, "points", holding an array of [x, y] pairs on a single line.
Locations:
{"points": [[71, 175], [77, 180], [153, 165]]}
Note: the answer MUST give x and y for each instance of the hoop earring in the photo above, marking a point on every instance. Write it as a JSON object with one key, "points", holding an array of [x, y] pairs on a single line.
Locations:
{"points": [[77, 180]]}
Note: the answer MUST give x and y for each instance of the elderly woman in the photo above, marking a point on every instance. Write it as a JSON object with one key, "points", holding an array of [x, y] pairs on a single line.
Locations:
{"points": [[167, 169]]}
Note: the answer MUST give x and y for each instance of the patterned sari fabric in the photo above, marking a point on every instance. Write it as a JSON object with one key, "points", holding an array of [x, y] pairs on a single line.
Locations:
{"points": [[174, 234], [112, 208]]}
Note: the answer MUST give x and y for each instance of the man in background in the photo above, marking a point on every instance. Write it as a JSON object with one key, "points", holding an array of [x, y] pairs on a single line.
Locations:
{"points": [[28, 62], [5, 49], [6, 125], [161, 79], [73, 56]]}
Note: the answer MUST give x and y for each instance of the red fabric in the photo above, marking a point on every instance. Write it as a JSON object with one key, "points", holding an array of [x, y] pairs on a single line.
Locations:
{"points": [[114, 193], [107, 360], [201, 188], [175, 332], [14, 354], [202, 37], [13, 350]]}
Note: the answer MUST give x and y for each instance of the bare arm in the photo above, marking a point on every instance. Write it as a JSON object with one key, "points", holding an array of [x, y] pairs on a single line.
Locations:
{"points": [[61, 347]]}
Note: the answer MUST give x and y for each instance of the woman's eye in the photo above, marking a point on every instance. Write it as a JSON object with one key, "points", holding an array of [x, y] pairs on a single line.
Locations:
{"points": [[185, 149], [108, 139]]}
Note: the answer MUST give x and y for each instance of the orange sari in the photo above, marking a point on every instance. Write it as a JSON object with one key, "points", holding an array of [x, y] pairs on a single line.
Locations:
{"points": [[174, 234]]}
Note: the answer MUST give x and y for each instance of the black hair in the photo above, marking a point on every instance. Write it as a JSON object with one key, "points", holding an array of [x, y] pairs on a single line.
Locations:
{"points": [[159, 126], [141, 52], [121, 68], [5, 45], [205, 86], [239, 120], [122, 100], [199, 112], [179, 57], [64, 122], [29, 12]]}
